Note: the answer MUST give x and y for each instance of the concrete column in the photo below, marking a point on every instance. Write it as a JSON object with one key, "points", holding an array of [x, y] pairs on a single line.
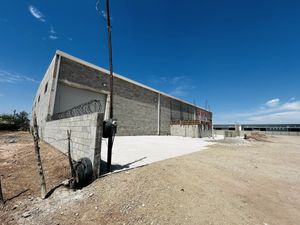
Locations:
{"points": [[158, 115], [54, 86]]}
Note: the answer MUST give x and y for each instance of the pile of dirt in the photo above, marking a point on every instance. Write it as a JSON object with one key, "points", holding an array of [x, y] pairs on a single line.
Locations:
{"points": [[256, 136]]}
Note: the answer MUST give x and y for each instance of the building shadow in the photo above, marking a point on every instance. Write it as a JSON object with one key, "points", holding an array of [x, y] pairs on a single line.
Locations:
{"points": [[114, 167]]}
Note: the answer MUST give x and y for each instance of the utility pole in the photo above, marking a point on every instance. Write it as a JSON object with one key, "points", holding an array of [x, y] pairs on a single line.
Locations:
{"points": [[110, 138], [110, 59]]}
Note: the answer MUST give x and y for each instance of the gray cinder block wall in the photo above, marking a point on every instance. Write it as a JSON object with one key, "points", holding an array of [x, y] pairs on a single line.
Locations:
{"points": [[139, 110], [193, 131], [86, 133]]}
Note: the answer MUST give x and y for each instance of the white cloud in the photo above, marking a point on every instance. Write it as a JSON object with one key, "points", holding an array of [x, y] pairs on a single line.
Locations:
{"points": [[178, 86], [53, 37], [36, 13], [52, 31], [181, 90], [280, 117], [52, 34], [276, 112], [273, 102], [103, 14], [11, 77], [181, 86]]}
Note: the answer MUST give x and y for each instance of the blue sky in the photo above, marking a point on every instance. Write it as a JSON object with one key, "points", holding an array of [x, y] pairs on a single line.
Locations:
{"points": [[242, 57]]}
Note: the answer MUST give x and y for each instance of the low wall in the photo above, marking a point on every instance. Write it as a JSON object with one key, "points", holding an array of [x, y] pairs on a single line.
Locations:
{"points": [[231, 133], [86, 132], [189, 131]]}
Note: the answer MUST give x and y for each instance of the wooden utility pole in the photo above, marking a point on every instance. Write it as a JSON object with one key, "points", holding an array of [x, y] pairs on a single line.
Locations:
{"points": [[1, 195], [110, 138], [110, 59], [40, 170]]}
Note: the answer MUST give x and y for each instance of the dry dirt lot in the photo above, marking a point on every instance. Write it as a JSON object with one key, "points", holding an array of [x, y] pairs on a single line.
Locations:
{"points": [[18, 169], [232, 182]]}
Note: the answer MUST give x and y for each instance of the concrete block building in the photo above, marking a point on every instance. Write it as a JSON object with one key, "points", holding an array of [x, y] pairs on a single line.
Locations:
{"points": [[74, 95]]}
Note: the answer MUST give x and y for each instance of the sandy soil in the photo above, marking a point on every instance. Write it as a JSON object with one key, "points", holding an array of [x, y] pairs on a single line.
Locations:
{"points": [[232, 182]]}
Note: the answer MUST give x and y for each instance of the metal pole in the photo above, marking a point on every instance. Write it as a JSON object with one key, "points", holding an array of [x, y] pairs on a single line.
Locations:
{"points": [[110, 139], [158, 115]]}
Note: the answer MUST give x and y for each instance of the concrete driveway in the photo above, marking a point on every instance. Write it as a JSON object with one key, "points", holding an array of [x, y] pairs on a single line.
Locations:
{"points": [[134, 151]]}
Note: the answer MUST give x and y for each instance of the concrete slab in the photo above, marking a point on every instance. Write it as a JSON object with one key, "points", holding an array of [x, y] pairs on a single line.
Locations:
{"points": [[134, 151]]}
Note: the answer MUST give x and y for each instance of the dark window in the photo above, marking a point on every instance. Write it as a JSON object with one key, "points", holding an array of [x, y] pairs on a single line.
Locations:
{"points": [[39, 98], [46, 87]]}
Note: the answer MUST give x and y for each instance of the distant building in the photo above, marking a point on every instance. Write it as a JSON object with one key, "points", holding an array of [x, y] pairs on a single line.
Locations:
{"points": [[260, 127]]}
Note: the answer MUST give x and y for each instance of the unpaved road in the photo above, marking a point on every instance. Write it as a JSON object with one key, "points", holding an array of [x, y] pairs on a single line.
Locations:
{"points": [[237, 182]]}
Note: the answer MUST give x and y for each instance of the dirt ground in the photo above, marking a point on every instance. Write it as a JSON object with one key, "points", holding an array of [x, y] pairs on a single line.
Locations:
{"points": [[235, 181], [18, 169]]}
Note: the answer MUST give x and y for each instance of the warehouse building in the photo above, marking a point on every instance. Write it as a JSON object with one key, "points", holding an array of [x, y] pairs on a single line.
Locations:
{"points": [[259, 127], [74, 95]]}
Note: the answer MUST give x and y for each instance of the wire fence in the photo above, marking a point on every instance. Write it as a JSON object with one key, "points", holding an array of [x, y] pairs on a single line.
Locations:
{"points": [[85, 108]]}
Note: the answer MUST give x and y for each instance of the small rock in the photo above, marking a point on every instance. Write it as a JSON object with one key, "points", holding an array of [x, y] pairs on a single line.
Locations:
{"points": [[76, 214], [91, 194], [62, 213], [143, 204], [96, 207], [182, 189], [14, 207], [12, 141], [26, 214]]}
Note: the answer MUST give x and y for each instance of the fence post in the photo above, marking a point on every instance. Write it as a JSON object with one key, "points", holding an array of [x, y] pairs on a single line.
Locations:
{"points": [[69, 154], [1, 195], [40, 170]]}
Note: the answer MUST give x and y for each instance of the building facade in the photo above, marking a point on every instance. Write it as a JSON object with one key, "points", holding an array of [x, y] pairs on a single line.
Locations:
{"points": [[74, 94]]}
